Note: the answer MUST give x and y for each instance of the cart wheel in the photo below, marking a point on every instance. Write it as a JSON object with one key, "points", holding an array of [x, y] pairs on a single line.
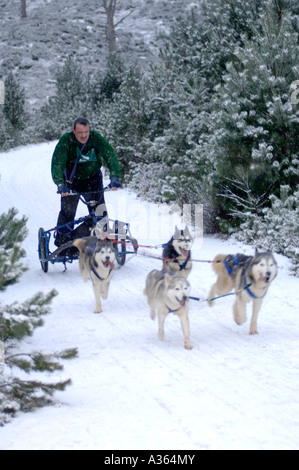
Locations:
{"points": [[42, 251], [120, 248], [134, 244], [121, 253]]}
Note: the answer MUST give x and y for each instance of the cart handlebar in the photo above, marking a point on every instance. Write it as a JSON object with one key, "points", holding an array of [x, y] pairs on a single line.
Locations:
{"points": [[91, 203]]}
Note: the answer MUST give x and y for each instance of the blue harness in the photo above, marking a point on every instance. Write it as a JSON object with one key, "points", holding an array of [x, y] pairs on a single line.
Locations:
{"points": [[99, 277], [235, 265], [246, 287]]}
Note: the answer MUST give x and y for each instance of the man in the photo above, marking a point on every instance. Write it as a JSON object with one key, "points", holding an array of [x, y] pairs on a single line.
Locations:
{"points": [[76, 166]]}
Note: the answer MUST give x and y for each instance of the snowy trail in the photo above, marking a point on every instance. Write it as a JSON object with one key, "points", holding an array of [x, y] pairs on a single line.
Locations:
{"points": [[131, 391]]}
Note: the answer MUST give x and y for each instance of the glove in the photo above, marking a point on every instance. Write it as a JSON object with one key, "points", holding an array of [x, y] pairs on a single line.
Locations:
{"points": [[114, 183], [62, 188]]}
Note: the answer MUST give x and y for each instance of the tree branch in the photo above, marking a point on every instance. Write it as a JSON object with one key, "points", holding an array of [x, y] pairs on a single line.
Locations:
{"points": [[123, 19]]}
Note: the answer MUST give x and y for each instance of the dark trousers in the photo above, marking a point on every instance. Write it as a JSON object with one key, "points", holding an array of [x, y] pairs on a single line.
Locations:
{"points": [[91, 190]]}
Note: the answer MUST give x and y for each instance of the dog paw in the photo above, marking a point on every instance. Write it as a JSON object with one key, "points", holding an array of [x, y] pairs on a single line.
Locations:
{"points": [[239, 319], [253, 331], [211, 303], [98, 310], [188, 346]]}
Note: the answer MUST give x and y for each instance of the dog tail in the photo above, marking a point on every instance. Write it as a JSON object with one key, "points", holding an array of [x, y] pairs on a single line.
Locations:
{"points": [[79, 243], [218, 263]]}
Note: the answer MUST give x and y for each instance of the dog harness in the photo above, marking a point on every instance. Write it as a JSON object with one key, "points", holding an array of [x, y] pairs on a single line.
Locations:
{"points": [[175, 260], [183, 266], [172, 311], [99, 277], [238, 263], [247, 288]]}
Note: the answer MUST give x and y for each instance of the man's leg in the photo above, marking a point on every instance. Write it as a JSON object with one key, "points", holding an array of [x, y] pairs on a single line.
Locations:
{"points": [[66, 218], [94, 191]]}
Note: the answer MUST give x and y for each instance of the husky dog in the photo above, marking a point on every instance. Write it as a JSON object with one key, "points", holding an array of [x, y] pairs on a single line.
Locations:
{"points": [[169, 294], [250, 277], [96, 262], [177, 253]]}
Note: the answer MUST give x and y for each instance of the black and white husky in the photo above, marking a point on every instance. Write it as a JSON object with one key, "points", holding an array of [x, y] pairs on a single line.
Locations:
{"points": [[177, 253], [96, 263], [250, 277]]}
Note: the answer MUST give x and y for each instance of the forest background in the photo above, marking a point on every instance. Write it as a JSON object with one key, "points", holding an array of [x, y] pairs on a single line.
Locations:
{"points": [[201, 108]]}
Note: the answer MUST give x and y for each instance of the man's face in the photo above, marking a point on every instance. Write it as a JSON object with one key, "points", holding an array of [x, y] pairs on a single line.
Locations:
{"points": [[82, 133]]}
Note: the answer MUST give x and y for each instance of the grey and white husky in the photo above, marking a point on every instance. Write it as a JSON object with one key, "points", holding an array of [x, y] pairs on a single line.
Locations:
{"points": [[169, 294], [250, 277], [97, 263], [177, 253]]}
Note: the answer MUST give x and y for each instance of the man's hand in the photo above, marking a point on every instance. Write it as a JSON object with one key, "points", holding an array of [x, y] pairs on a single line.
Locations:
{"points": [[63, 190], [114, 183]]}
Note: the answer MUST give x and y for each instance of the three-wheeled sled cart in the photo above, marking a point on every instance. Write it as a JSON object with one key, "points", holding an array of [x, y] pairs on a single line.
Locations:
{"points": [[104, 228]]}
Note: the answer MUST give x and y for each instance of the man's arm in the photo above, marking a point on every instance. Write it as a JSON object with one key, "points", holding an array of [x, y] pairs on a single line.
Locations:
{"points": [[110, 158], [58, 166]]}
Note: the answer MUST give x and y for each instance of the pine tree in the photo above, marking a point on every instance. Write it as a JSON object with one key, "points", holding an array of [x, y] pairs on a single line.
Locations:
{"points": [[72, 98], [126, 122], [106, 85], [14, 102], [69, 84], [7, 132], [204, 40], [18, 321], [194, 61], [255, 126], [12, 234]]}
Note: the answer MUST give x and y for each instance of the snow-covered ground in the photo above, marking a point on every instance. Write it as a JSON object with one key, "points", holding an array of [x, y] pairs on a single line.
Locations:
{"points": [[131, 391]]}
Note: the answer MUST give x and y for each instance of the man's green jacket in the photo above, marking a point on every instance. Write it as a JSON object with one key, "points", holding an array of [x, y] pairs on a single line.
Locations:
{"points": [[89, 159]]}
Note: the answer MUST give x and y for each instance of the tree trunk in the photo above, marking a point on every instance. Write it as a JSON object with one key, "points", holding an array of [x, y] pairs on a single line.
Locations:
{"points": [[111, 35], [110, 6], [23, 9]]}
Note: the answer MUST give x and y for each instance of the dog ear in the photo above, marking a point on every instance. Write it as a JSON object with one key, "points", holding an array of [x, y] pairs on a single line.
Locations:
{"points": [[167, 279], [187, 230]]}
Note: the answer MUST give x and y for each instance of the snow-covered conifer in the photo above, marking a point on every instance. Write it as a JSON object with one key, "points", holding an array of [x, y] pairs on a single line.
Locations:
{"points": [[16, 322], [14, 102], [255, 125]]}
